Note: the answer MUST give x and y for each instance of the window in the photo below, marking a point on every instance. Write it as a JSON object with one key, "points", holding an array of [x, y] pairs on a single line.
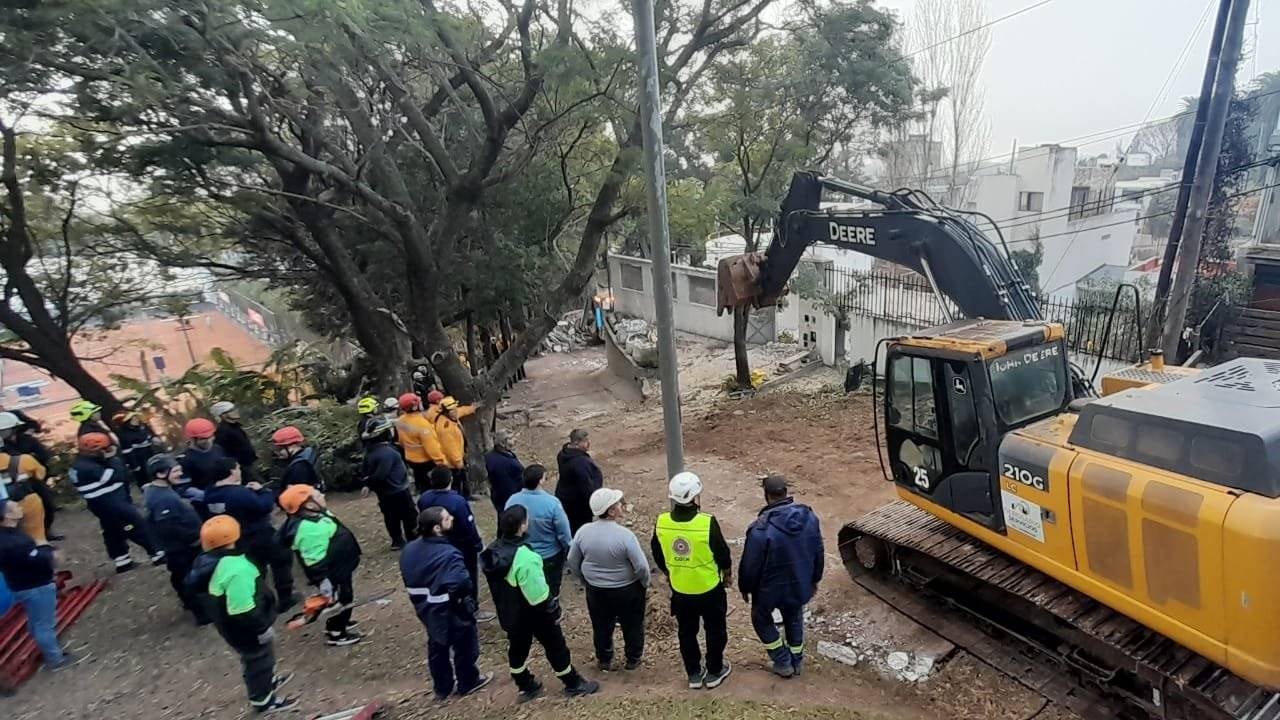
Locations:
{"points": [[702, 291], [1028, 384], [1079, 203], [632, 277], [1030, 201], [964, 418], [911, 396], [675, 292]]}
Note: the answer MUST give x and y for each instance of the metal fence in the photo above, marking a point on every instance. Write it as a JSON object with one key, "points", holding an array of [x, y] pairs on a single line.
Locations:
{"points": [[273, 328], [907, 299]]}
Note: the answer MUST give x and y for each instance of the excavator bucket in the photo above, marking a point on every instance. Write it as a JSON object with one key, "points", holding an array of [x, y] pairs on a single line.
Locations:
{"points": [[739, 282]]}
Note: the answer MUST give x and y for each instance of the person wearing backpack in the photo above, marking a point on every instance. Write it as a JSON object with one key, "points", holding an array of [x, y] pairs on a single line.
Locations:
{"points": [[300, 459], [329, 554], [20, 474]]}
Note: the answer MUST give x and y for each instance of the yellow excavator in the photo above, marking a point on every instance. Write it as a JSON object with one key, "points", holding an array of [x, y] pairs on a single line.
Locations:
{"points": [[1131, 541]]}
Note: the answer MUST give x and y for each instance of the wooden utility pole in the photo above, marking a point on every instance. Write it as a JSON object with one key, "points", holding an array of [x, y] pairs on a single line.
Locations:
{"points": [[1206, 171]]}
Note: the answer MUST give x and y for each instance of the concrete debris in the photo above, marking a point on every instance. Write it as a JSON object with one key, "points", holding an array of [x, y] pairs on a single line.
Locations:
{"points": [[568, 334], [898, 661], [892, 645], [839, 653]]}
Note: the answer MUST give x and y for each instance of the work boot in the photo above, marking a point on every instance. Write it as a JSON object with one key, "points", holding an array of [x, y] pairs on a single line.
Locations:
{"points": [[782, 666], [797, 663], [577, 686], [528, 685]]}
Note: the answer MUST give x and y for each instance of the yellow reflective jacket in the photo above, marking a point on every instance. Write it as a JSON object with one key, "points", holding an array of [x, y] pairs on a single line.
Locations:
{"points": [[418, 438], [452, 442]]}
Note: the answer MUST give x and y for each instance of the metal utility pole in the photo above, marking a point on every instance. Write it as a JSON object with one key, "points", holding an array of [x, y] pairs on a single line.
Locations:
{"points": [[655, 175], [1206, 171], [1188, 172]]}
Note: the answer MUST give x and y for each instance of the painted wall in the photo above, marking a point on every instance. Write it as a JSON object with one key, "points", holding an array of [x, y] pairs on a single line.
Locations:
{"points": [[693, 305]]}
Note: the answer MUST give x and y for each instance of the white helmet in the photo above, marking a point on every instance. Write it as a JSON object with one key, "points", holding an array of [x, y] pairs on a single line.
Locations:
{"points": [[9, 421], [391, 404], [221, 408], [684, 487]]}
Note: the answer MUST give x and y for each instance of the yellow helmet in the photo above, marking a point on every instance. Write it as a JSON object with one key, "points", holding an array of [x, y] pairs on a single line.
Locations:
{"points": [[367, 405], [83, 410]]}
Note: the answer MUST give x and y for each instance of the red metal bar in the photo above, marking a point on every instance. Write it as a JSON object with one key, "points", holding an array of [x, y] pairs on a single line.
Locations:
{"points": [[19, 656]]}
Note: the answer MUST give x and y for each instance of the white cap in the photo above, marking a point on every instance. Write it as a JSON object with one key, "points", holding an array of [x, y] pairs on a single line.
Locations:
{"points": [[9, 421], [684, 487], [222, 407], [603, 499]]}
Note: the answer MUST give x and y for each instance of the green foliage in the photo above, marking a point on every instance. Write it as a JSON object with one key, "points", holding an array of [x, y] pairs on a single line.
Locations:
{"points": [[329, 427], [1028, 263]]}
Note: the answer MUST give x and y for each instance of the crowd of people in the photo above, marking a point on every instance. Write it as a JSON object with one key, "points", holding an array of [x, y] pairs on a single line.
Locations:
{"points": [[220, 526]]}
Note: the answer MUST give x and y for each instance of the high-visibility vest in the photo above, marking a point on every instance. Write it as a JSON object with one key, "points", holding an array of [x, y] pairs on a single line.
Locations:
{"points": [[686, 547]]}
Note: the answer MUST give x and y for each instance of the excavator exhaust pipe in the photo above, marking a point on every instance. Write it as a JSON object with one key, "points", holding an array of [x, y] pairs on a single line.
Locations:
{"points": [[739, 283]]}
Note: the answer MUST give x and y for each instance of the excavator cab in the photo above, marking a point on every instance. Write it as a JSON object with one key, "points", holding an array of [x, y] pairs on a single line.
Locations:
{"points": [[953, 392]]}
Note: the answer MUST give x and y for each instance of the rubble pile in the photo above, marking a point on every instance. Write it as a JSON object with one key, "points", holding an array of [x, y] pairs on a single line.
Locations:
{"points": [[637, 337], [855, 640], [568, 334]]}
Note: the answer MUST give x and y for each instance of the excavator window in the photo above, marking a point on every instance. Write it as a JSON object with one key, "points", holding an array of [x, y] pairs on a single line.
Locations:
{"points": [[1028, 383], [911, 397]]}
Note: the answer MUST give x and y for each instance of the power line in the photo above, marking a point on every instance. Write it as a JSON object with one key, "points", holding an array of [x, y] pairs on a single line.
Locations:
{"points": [[1182, 58], [973, 30]]}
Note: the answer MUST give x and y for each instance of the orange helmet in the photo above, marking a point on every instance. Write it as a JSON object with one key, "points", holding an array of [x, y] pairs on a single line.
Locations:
{"points": [[287, 435], [199, 429], [219, 531], [435, 396], [294, 497], [410, 401], [94, 442]]}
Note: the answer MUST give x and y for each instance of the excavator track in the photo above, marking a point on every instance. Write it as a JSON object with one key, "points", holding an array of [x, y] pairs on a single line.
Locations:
{"points": [[1119, 668]]}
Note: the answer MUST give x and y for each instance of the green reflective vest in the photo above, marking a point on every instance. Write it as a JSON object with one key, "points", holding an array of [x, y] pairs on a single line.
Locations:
{"points": [[686, 546]]}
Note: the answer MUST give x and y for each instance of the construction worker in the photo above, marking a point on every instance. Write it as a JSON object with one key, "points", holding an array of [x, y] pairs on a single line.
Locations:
{"points": [[448, 426], [137, 443], [20, 477], [526, 608], [440, 588], [28, 569], [579, 477], [463, 533], [548, 532], [383, 472], [367, 406], [608, 558], [329, 554], [506, 473], [242, 609], [102, 480], [781, 566], [690, 550], [176, 527], [201, 458], [234, 441], [417, 437], [251, 505], [298, 458], [89, 416]]}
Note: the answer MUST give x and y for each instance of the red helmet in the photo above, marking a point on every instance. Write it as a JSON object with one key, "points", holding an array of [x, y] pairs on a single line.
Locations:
{"points": [[410, 401], [434, 397], [287, 435], [199, 429], [94, 442]]}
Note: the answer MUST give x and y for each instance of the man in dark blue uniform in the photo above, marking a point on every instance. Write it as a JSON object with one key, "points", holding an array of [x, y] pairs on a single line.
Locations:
{"points": [[463, 533], [103, 482], [251, 505]]}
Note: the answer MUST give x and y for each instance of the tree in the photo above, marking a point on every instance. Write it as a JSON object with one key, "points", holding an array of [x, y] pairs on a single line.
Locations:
{"points": [[790, 102], [1028, 263]]}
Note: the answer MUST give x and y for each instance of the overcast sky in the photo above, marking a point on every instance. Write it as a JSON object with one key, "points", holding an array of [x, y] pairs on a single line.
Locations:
{"points": [[1075, 67]]}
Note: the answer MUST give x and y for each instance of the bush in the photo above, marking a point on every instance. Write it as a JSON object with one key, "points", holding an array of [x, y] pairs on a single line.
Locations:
{"points": [[328, 427]]}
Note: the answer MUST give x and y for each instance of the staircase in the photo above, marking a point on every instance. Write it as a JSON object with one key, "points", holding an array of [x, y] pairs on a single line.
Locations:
{"points": [[1253, 333]]}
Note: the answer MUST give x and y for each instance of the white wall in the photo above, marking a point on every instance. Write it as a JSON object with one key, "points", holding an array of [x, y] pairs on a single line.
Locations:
{"points": [[1089, 244], [698, 318]]}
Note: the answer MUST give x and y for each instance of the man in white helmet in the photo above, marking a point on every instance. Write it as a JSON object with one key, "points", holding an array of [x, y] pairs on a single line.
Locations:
{"points": [[233, 440], [690, 550]]}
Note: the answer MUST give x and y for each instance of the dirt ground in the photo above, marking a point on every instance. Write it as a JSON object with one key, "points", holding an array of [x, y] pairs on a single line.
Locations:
{"points": [[149, 661]]}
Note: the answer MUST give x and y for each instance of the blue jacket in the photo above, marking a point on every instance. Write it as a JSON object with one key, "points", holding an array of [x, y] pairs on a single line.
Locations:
{"points": [[506, 476], [198, 464], [438, 583], [137, 445], [251, 508], [383, 469], [302, 470], [173, 522], [548, 525], [101, 481], [782, 558], [464, 534]]}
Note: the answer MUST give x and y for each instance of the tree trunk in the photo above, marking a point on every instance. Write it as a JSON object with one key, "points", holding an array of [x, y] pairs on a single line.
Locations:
{"points": [[476, 430], [473, 350], [742, 363]]}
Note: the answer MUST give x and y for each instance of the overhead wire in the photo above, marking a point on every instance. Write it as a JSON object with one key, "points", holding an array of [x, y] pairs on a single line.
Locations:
{"points": [[973, 30]]}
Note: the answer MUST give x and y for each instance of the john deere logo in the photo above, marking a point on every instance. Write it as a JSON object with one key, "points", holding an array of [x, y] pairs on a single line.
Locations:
{"points": [[681, 548]]}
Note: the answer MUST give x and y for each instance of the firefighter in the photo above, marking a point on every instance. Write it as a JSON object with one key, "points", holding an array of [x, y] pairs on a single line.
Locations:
{"points": [[448, 427], [201, 458], [176, 527], [243, 610], [137, 443], [526, 609], [690, 550], [367, 406], [299, 459], [89, 415], [251, 505], [383, 472], [440, 587], [418, 440], [102, 480], [329, 554]]}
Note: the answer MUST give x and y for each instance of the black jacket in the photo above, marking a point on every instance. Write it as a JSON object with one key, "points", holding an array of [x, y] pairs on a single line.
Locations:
{"points": [[24, 564], [341, 561], [23, 443], [240, 631], [234, 441], [173, 522], [579, 477], [506, 476], [198, 465], [514, 612], [719, 548], [383, 469], [302, 470], [137, 445], [251, 508]]}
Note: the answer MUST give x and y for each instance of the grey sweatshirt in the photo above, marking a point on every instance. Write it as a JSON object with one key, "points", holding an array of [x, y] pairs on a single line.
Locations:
{"points": [[607, 555]]}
